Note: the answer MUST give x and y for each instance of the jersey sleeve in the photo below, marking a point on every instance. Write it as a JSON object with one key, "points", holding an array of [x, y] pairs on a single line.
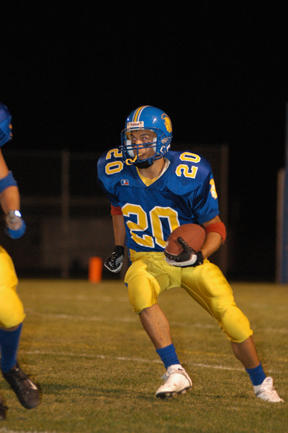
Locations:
{"points": [[205, 202], [192, 180], [107, 181]]}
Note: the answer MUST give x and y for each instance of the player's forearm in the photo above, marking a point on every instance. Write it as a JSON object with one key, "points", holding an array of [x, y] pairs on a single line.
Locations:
{"points": [[10, 199], [212, 244], [215, 236], [118, 229]]}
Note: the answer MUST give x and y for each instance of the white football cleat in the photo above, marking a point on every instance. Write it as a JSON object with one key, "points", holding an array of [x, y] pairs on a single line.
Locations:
{"points": [[176, 380], [267, 392]]}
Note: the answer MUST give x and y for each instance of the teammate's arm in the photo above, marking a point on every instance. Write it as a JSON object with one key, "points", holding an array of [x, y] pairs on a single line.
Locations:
{"points": [[10, 201], [9, 198]]}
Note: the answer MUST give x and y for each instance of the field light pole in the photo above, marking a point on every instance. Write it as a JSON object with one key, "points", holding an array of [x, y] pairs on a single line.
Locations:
{"points": [[282, 216]]}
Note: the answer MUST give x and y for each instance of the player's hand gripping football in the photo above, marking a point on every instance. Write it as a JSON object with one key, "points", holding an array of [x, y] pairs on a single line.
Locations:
{"points": [[187, 257], [114, 263], [16, 226]]}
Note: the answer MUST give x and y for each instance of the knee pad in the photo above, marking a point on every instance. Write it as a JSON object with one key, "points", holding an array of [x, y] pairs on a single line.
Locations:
{"points": [[235, 324], [216, 295], [11, 309]]}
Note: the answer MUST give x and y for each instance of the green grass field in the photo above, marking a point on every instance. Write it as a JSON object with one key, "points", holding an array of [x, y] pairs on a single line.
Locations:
{"points": [[99, 372]]}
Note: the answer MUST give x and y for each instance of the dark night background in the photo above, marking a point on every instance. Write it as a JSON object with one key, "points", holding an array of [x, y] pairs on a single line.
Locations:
{"points": [[71, 76]]}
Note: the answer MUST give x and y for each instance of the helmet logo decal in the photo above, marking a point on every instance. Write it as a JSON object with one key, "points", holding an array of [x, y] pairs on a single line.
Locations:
{"points": [[167, 122]]}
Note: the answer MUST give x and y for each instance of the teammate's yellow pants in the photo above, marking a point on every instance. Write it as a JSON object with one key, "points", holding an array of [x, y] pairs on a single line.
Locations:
{"points": [[149, 275], [11, 307]]}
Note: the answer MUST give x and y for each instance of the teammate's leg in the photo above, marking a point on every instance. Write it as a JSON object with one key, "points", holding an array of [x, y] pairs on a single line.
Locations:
{"points": [[9, 341], [11, 319]]}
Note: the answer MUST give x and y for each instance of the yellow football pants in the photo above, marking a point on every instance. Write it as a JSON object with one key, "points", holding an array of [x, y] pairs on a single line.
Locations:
{"points": [[11, 308], [149, 275]]}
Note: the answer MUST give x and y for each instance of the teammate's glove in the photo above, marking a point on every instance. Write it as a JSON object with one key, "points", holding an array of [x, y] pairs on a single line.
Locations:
{"points": [[114, 263], [187, 257], [16, 226]]}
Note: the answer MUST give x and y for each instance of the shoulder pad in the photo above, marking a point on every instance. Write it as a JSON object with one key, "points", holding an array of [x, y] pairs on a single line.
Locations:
{"points": [[109, 167], [190, 166], [110, 162]]}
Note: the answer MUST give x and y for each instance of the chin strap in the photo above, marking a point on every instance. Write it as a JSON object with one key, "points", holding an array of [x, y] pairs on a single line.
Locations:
{"points": [[130, 161], [144, 164]]}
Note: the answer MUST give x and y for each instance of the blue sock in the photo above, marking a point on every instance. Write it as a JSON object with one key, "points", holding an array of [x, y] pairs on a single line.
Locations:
{"points": [[9, 342], [256, 374], [168, 355]]}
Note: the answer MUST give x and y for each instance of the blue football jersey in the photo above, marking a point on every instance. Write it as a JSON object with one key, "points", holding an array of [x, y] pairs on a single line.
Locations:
{"points": [[184, 193], [5, 125]]}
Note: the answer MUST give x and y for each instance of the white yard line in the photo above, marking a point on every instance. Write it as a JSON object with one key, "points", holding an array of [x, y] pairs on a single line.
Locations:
{"points": [[127, 359], [5, 430]]}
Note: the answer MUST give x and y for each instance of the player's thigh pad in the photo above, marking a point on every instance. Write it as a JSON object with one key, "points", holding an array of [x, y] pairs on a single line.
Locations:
{"points": [[208, 286], [148, 276], [143, 288], [11, 307]]}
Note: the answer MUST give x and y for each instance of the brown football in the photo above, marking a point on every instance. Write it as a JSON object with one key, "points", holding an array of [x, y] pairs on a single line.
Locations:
{"points": [[193, 234]]}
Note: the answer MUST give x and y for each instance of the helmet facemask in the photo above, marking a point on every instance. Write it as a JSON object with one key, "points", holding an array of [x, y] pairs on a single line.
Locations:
{"points": [[132, 150]]}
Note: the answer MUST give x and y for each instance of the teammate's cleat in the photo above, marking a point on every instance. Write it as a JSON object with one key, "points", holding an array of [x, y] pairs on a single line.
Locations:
{"points": [[267, 392], [176, 380], [3, 408], [27, 392]]}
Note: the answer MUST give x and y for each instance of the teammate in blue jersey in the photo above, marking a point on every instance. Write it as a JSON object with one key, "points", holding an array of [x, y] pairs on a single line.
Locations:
{"points": [[11, 309], [152, 191]]}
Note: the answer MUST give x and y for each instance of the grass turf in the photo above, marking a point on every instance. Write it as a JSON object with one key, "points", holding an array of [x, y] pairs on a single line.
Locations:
{"points": [[98, 371]]}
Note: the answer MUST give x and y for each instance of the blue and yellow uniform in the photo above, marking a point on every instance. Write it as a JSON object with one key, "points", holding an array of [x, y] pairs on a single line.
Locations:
{"points": [[184, 193], [11, 307]]}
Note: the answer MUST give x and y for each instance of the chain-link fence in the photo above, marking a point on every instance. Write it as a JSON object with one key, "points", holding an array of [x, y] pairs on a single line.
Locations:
{"points": [[67, 215]]}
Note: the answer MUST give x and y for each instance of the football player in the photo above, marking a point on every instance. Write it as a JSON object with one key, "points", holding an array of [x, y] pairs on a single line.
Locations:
{"points": [[152, 191], [11, 309]]}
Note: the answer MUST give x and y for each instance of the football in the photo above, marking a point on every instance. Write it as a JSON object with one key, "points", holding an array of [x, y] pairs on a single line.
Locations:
{"points": [[193, 234]]}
